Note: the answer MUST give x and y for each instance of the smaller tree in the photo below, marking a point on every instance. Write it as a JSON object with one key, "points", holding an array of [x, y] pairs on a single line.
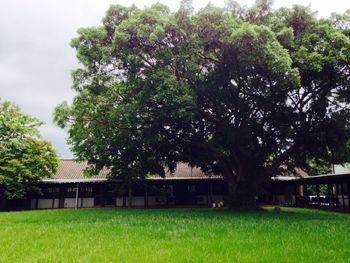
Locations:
{"points": [[24, 157]]}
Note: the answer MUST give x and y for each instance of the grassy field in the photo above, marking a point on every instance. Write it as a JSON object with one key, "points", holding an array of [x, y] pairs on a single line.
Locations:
{"points": [[174, 235]]}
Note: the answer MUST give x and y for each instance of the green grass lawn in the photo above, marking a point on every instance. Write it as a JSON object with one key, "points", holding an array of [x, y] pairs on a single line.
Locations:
{"points": [[174, 235]]}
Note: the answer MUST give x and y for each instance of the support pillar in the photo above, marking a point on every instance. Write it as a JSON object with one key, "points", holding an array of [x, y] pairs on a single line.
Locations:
{"points": [[53, 197], [77, 197], [81, 201], [146, 195], [124, 200], [318, 194], [296, 187], [331, 197], [348, 184], [306, 197], [342, 194], [62, 190], [207, 197], [337, 194]]}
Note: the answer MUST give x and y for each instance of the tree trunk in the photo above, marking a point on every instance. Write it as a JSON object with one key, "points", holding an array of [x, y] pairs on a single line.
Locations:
{"points": [[3, 200], [130, 195], [243, 188], [239, 195]]}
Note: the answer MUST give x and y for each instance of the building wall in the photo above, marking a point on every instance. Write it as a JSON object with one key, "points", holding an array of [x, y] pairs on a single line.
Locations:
{"points": [[139, 201], [82, 202], [88, 202], [346, 200], [136, 201], [285, 199], [160, 193], [342, 168], [44, 203], [49, 203]]}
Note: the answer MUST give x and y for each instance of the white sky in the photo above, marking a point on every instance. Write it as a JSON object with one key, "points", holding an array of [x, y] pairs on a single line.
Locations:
{"points": [[36, 59]]}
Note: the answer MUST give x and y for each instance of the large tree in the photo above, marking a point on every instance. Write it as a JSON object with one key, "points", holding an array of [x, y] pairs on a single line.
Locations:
{"points": [[244, 92], [24, 157]]}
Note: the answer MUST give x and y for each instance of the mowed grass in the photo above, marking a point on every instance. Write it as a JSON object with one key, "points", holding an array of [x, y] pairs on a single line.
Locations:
{"points": [[174, 235]]}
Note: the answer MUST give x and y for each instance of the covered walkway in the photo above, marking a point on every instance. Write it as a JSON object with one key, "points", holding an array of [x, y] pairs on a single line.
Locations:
{"points": [[329, 190]]}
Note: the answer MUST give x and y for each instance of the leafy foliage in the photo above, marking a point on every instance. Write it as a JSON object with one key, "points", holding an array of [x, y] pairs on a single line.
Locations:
{"points": [[24, 157], [237, 91]]}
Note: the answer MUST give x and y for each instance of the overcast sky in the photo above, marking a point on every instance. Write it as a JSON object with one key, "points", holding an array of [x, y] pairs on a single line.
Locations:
{"points": [[36, 59]]}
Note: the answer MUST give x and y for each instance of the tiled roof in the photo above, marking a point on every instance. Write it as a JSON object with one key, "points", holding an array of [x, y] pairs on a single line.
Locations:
{"points": [[183, 170], [70, 169], [296, 172], [73, 171], [316, 179]]}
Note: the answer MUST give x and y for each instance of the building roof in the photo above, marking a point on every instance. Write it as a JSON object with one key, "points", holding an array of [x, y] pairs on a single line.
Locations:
{"points": [[285, 173], [315, 179], [71, 171], [183, 170]]}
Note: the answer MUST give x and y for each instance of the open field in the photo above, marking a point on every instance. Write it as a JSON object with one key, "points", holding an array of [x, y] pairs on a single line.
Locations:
{"points": [[174, 235]]}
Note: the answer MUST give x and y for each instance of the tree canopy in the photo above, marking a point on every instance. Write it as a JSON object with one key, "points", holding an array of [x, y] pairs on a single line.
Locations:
{"points": [[24, 157], [244, 92]]}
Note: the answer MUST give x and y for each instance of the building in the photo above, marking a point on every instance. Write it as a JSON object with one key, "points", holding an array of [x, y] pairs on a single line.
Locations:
{"points": [[328, 190], [68, 188], [341, 168], [187, 186]]}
